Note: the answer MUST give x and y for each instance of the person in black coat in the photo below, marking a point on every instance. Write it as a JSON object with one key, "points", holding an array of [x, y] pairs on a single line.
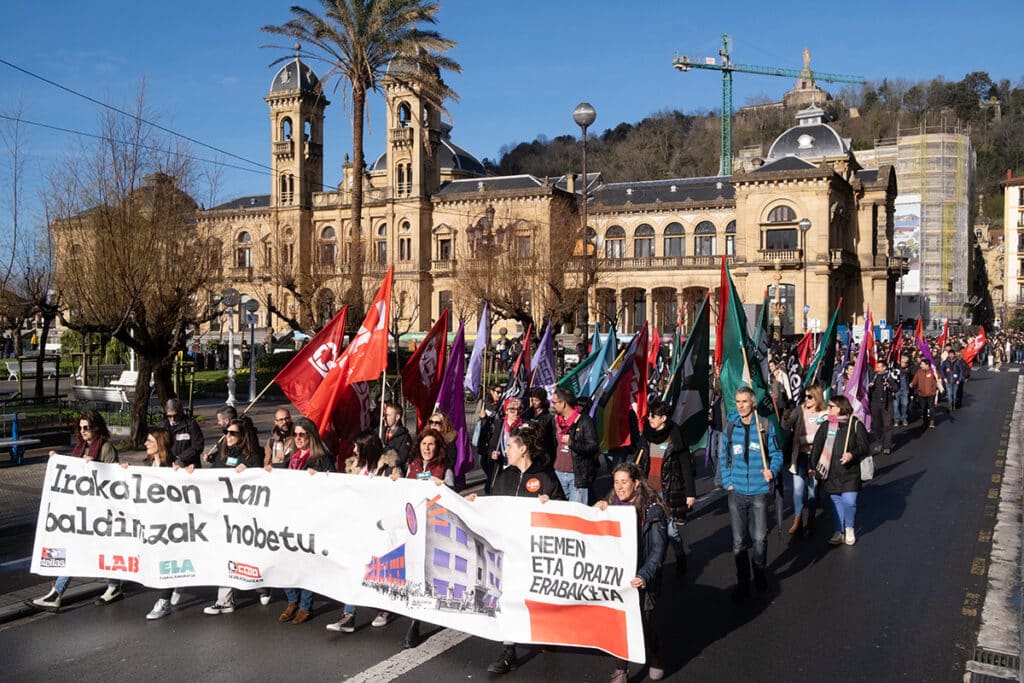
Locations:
{"points": [[576, 447], [881, 393], [488, 418], [839, 446], [629, 486], [539, 413], [396, 437], [668, 465], [186, 435]]}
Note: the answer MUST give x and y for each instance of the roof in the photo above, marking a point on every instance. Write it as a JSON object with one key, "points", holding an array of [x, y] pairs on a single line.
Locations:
{"points": [[295, 76], [492, 184], [811, 138], [255, 201], [785, 164], [450, 157], [868, 176], [705, 189]]}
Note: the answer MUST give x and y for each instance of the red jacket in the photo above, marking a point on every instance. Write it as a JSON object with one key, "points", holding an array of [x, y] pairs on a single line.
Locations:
{"points": [[924, 382]]}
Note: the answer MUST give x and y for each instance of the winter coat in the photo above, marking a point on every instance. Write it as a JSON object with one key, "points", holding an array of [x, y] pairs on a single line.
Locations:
{"points": [[740, 455], [651, 545], [186, 441], [584, 446], [842, 478], [287, 445], [234, 456], [925, 383], [385, 465], [399, 441], [536, 481], [678, 470]]}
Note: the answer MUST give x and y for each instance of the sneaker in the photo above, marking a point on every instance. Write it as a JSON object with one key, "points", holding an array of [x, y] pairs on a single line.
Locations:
{"points": [[381, 619], [160, 610], [217, 608], [619, 676], [837, 539], [175, 597], [655, 673], [347, 624], [506, 661], [265, 598], [887, 451], [49, 601], [851, 538], [112, 594]]}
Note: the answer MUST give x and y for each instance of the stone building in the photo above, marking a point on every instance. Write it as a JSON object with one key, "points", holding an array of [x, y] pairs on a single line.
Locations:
{"points": [[1013, 239]]}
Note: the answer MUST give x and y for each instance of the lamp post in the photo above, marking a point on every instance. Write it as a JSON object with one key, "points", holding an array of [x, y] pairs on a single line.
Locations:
{"points": [[229, 297], [251, 306], [805, 225], [902, 248], [778, 308], [584, 115]]}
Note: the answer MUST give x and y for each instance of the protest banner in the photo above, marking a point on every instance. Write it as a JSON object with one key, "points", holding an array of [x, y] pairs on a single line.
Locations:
{"points": [[502, 568]]}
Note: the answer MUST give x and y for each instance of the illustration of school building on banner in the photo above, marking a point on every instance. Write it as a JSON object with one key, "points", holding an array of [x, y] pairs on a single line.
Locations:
{"points": [[437, 562]]}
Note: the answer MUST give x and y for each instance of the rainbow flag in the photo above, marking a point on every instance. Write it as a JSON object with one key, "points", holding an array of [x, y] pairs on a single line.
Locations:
{"points": [[623, 394]]}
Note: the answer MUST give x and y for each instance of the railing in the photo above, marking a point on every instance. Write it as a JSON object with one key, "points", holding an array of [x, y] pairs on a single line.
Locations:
{"points": [[240, 273], [578, 264], [284, 147], [401, 136], [314, 149], [838, 258], [443, 267], [788, 257]]}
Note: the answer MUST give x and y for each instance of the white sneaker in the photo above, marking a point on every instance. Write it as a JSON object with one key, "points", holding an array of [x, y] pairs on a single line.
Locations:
{"points": [[347, 624], [110, 595], [381, 619], [217, 608], [160, 610], [175, 596], [850, 537], [265, 598], [49, 601]]}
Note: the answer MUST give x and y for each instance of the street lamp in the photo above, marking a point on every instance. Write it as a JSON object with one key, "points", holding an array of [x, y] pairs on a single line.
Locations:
{"points": [[229, 297], [805, 225], [584, 114], [902, 248], [251, 306]]}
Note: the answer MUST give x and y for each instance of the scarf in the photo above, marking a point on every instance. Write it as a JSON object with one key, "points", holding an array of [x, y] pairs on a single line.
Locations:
{"points": [[566, 423], [298, 460], [92, 450], [825, 462]]}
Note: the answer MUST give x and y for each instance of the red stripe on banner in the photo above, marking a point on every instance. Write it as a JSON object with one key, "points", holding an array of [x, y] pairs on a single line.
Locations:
{"points": [[583, 625], [570, 523]]}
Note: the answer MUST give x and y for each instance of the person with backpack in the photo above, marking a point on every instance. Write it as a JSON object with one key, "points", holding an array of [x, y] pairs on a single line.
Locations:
{"points": [[750, 460]]}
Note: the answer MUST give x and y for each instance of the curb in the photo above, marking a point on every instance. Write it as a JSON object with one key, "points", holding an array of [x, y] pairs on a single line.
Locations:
{"points": [[85, 591]]}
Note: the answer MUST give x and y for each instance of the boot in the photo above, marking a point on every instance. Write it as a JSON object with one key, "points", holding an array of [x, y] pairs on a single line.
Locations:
{"points": [[742, 591], [809, 526], [506, 661], [289, 612], [412, 636], [760, 580], [112, 594], [50, 601], [797, 523]]}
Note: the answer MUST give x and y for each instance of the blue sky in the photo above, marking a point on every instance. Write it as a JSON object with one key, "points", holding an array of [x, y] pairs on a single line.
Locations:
{"points": [[526, 64]]}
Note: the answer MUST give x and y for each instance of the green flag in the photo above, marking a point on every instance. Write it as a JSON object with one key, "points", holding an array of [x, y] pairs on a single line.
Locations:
{"points": [[687, 391], [744, 363], [761, 332], [822, 366]]}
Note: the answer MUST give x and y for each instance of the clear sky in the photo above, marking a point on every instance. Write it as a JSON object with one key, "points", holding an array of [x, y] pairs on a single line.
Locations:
{"points": [[526, 64]]}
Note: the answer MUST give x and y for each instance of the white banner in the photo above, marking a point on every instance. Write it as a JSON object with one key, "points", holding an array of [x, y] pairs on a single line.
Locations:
{"points": [[503, 568]]}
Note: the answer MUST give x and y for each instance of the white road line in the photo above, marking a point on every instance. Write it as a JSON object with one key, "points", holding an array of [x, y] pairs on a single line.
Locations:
{"points": [[405, 661], [9, 563]]}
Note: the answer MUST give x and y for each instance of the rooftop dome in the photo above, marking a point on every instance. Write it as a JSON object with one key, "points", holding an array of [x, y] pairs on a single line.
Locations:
{"points": [[295, 76], [811, 138], [450, 157]]}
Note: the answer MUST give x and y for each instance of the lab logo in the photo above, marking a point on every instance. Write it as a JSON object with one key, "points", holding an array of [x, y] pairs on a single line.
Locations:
{"points": [[53, 557], [533, 484], [119, 563], [244, 572], [173, 569]]}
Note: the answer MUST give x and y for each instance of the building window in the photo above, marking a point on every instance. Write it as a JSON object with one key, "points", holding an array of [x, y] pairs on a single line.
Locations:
{"points": [[287, 188], [328, 247], [441, 558], [444, 249], [675, 240], [615, 242], [286, 129], [461, 536], [444, 300], [243, 250], [730, 239], [524, 246], [643, 242], [381, 246], [782, 214], [404, 115], [405, 248], [461, 564], [780, 238], [704, 239]]}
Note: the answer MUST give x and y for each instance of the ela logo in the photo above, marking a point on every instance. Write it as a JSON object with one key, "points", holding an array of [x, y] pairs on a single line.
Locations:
{"points": [[246, 572], [119, 563], [53, 557], [172, 569]]}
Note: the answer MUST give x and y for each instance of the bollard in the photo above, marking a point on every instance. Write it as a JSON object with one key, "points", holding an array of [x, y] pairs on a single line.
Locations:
{"points": [[17, 452]]}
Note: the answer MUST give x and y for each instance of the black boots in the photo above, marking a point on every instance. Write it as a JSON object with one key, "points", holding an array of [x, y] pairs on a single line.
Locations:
{"points": [[506, 661], [742, 591]]}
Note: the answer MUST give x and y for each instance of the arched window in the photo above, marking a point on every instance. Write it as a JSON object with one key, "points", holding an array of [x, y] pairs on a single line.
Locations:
{"points": [[675, 240], [404, 115], [328, 250], [243, 250], [286, 129], [307, 130], [287, 188], [704, 239], [643, 241], [404, 242], [782, 214], [614, 242], [287, 246], [381, 244], [730, 239]]}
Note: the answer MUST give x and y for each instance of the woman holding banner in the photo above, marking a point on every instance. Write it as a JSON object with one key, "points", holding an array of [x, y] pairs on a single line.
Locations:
{"points": [[838, 448], [159, 447], [629, 487], [443, 424], [511, 409], [92, 443]]}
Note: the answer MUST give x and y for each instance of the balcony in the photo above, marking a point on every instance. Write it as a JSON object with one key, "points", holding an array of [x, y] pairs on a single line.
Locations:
{"points": [[240, 273], [842, 258], [784, 258], [577, 264], [898, 265], [284, 148], [401, 136], [443, 268]]}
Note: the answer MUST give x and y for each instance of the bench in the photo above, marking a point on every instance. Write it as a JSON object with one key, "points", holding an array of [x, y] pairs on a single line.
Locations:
{"points": [[14, 442], [127, 380], [29, 369], [119, 395], [98, 373]]}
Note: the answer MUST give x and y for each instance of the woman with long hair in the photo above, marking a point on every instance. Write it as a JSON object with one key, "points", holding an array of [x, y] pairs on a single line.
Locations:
{"points": [[629, 487], [429, 459], [838, 448], [804, 422], [159, 453], [443, 423], [92, 442]]}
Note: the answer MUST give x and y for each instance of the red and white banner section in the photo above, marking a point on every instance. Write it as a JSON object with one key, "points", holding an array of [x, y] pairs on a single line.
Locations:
{"points": [[502, 568]]}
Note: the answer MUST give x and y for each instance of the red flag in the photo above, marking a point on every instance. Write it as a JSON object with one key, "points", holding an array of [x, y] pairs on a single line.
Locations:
{"points": [[941, 343], [974, 346], [655, 348], [421, 376], [723, 299], [804, 349], [364, 359], [919, 331], [896, 348], [307, 369]]}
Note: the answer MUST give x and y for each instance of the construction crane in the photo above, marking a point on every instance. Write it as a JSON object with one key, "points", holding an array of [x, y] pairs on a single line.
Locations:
{"points": [[727, 67]]}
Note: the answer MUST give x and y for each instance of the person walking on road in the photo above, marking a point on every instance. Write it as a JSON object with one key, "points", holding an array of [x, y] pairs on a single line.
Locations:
{"points": [[901, 401], [927, 387], [880, 398], [158, 454], [186, 434], [279, 447], [843, 436], [804, 423], [576, 447], [750, 459]]}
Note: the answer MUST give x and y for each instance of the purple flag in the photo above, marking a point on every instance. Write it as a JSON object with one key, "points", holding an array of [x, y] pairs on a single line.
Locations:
{"points": [[476, 360], [857, 388], [452, 402], [543, 363]]}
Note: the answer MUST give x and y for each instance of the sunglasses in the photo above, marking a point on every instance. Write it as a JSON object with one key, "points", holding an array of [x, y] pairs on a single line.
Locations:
{"points": [[436, 423], [302, 434], [84, 428], [232, 432], [510, 409]]}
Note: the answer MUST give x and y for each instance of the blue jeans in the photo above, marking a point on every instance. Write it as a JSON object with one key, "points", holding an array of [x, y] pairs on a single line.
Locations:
{"points": [[572, 494], [61, 584], [804, 484], [900, 405], [301, 596], [952, 389], [749, 518], [844, 510]]}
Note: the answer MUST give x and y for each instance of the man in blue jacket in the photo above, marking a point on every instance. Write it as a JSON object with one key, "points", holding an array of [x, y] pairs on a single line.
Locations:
{"points": [[748, 445]]}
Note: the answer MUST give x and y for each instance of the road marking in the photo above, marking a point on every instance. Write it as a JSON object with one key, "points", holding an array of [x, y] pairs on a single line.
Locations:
{"points": [[405, 661], [22, 561], [984, 536], [978, 566], [970, 606]]}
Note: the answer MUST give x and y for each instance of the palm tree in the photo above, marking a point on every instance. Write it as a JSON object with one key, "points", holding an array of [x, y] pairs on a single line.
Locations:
{"points": [[359, 40]]}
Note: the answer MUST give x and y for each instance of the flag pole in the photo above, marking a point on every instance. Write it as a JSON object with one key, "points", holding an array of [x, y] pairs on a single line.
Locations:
{"points": [[757, 422], [383, 389]]}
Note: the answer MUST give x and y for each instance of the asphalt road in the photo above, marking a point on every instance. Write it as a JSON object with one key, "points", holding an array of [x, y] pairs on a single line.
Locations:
{"points": [[900, 605]]}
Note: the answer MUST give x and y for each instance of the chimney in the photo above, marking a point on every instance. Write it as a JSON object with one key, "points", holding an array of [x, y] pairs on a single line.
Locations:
{"points": [[570, 183], [1009, 174]]}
